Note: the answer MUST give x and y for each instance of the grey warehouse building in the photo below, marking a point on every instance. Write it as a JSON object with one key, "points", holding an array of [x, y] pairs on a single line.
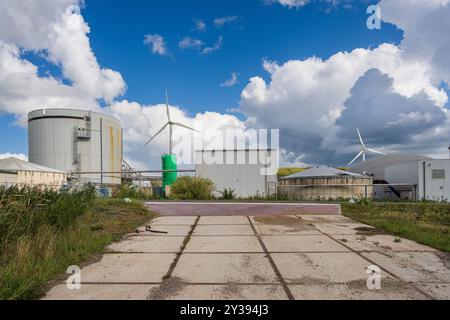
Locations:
{"points": [[247, 172], [411, 177]]}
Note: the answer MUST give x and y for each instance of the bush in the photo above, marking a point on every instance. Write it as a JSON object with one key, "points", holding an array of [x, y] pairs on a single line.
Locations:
{"points": [[228, 194], [128, 190], [192, 188]]}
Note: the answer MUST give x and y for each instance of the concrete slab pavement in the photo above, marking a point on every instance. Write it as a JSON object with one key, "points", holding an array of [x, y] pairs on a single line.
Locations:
{"points": [[270, 257]]}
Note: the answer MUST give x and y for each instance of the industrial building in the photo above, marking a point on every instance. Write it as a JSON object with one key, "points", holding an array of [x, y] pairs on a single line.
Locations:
{"points": [[246, 172], [16, 172], [325, 183], [412, 177], [76, 141]]}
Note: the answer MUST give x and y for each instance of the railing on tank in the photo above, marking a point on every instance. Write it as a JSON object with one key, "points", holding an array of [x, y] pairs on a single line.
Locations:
{"points": [[398, 191]]}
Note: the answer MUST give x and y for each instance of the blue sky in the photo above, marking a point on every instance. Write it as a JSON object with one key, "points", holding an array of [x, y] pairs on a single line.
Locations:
{"points": [[117, 30], [257, 31]]}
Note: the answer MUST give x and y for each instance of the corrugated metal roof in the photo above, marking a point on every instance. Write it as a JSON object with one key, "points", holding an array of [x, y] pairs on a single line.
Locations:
{"points": [[322, 172], [14, 164], [376, 166]]}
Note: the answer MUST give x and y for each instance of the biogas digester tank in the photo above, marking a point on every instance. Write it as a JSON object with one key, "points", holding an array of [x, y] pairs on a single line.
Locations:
{"points": [[77, 141], [169, 162]]}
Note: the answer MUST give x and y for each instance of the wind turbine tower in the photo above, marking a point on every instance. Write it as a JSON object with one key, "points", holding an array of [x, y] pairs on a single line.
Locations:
{"points": [[169, 161]]}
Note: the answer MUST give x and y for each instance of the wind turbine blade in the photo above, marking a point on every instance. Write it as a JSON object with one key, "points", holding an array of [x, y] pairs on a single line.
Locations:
{"points": [[356, 158], [375, 151], [184, 126], [154, 136], [360, 139], [167, 105]]}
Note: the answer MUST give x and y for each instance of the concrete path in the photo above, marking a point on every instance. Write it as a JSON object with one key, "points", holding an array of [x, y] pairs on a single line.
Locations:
{"points": [[261, 257]]}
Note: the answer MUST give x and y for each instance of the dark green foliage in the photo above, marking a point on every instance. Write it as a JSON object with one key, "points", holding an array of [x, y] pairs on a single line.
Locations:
{"points": [[192, 188], [228, 194]]}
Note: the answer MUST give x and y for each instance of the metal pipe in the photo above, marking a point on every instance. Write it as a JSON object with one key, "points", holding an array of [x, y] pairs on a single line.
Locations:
{"points": [[134, 171], [101, 150], [424, 182]]}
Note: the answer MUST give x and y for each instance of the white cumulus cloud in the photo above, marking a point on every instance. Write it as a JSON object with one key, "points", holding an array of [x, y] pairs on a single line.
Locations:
{"points": [[157, 44], [220, 22], [191, 43], [230, 82]]}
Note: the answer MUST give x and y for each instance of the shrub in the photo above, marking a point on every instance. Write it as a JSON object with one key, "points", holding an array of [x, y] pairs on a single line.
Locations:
{"points": [[228, 194], [129, 190], [192, 188]]}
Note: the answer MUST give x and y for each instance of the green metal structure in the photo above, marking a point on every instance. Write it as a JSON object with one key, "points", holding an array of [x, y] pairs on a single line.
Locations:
{"points": [[169, 162]]}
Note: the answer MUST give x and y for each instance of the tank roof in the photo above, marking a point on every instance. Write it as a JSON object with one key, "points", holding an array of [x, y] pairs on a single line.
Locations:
{"points": [[15, 164], [323, 172], [376, 166], [65, 112]]}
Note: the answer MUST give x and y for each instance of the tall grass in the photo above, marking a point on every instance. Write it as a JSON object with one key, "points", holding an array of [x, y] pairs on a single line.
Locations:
{"points": [[23, 211], [44, 232], [424, 222]]}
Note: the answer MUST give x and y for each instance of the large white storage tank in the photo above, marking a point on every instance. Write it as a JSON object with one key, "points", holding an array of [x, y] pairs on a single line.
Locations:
{"points": [[76, 141]]}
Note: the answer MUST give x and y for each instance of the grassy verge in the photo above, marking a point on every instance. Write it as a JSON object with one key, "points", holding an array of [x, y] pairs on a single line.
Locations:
{"points": [[37, 249], [426, 223]]}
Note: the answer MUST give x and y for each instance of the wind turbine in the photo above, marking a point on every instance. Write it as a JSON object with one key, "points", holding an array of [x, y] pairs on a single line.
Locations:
{"points": [[169, 124], [364, 150]]}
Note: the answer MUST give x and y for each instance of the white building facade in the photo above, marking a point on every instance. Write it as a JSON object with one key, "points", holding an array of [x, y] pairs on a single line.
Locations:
{"points": [[248, 172], [431, 178]]}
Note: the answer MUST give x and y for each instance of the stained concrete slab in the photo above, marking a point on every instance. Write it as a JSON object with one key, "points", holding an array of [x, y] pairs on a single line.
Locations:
{"points": [[224, 244], [343, 228], [381, 243], [223, 220], [286, 230], [147, 244], [439, 291], [321, 268], [303, 243], [170, 231], [223, 230], [284, 225], [325, 219], [220, 274], [186, 221], [274, 220], [357, 290], [225, 268], [175, 289], [415, 266], [128, 268], [100, 292]]}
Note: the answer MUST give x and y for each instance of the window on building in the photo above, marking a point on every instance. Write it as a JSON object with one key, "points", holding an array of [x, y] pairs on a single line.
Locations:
{"points": [[438, 174]]}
